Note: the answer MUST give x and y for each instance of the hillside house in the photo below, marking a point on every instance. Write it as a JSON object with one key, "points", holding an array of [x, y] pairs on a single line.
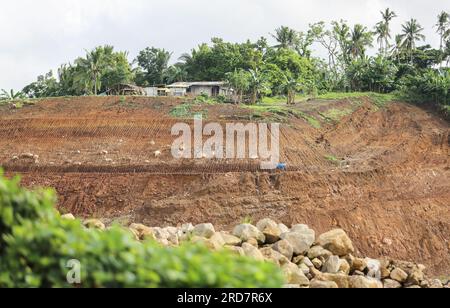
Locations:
{"points": [[210, 88]]}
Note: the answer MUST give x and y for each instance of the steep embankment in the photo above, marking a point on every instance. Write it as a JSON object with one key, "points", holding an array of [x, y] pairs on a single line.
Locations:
{"points": [[380, 174]]}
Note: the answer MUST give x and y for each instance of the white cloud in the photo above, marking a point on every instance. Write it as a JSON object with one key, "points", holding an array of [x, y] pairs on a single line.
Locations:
{"points": [[36, 36]]}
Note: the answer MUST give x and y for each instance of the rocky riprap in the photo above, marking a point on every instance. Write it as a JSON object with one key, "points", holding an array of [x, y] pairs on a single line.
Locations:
{"points": [[307, 260]]}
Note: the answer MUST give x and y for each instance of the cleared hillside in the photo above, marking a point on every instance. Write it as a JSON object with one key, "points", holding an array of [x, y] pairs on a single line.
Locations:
{"points": [[379, 171]]}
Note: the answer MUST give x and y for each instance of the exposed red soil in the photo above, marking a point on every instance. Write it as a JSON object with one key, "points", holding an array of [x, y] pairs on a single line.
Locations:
{"points": [[390, 189]]}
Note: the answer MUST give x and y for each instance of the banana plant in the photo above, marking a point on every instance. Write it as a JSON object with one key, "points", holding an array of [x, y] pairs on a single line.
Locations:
{"points": [[11, 95]]}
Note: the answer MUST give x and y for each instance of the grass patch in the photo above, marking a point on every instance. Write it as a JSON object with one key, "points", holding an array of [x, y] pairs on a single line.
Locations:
{"points": [[379, 99], [280, 114], [332, 158], [310, 119], [335, 115], [186, 111], [247, 220], [181, 111], [280, 99]]}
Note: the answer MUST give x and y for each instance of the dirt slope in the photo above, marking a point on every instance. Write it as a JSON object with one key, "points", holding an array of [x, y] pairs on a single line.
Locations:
{"points": [[381, 174]]}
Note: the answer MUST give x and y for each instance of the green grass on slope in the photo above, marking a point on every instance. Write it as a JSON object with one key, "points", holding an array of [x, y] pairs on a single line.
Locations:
{"points": [[378, 99]]}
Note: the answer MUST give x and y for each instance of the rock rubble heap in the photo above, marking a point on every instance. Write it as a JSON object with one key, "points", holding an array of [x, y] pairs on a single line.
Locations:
{"points": [[307, 260]]}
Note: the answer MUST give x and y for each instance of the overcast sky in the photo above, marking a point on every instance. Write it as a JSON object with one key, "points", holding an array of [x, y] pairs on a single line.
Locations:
{"points": [[36, 36]]}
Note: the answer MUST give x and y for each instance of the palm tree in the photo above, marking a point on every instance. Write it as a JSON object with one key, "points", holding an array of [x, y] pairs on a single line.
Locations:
{"points": [[447, 52], [360, 39], [443, 25], [388, 15], [383, 29], [341, 33], [286, 37], [411, 33], [380, 31], [93, 66], [175, 73], [397, 49]]}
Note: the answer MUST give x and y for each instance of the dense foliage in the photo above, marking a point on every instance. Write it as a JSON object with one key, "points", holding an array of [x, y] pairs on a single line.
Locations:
{"points": [[286, 67], [37, 245]]}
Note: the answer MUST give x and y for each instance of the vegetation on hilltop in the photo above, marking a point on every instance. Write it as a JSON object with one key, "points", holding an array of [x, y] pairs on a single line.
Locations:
{"points": [[257, 69]]}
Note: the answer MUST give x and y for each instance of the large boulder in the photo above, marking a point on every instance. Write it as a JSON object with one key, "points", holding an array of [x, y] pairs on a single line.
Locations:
{"points": [[340, 279], [414, 271], [301, 240], [318, 251], [303, 229], [332, 265], [230, 240], [399, 275], [252, 252], [361, 282], [435, 284], [336, 241], [274, 256], [248, 231], [217, 240], [285, 248], [208, 243], [391, 284], [161, 234], [373, 268], [344, 267], [270, 230], [236, 250], [204, 230], [68, 217], [319, 284], [143, 232], [283, 228], [94, 224], [357, 264], [294, 275]]}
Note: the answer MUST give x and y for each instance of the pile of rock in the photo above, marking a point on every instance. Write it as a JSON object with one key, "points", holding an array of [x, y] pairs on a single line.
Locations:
{"points": [[307, 260]]}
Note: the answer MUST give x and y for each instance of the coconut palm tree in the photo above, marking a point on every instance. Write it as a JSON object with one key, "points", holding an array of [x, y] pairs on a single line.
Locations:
{"points": [[92, 67], [383, 29], [380, 32], [286, 37], [443, 26], [397, 49], [361, 38], [341, 33], [412, 32]]}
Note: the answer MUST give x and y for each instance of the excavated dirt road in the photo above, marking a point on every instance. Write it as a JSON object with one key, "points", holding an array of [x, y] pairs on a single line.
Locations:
{"points": [[383, 175]]}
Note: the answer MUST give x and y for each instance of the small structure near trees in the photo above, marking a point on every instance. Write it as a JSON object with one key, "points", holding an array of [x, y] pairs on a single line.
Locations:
{"points": [[126, 89]]}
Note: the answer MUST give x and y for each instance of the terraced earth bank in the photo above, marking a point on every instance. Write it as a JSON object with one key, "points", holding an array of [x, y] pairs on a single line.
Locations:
{"points": [[381, 173]]}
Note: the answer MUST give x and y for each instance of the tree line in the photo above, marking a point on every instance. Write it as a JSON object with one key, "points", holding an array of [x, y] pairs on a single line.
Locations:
{"points": [[257, 69]]}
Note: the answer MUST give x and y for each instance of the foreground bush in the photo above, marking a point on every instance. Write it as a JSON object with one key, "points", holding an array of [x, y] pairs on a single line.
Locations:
{"points": [[37, 244]]}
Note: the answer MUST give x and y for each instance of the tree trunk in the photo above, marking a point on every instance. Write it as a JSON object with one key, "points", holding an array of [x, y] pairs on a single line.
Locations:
{"points": [[254, 97]]}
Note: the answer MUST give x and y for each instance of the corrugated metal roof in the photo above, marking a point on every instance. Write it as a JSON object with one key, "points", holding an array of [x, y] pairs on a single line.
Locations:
{"points": [[196, 83]]}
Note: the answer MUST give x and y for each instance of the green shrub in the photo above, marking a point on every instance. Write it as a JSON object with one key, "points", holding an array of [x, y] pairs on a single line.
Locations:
{"points": [[17, 205], [37, 245], [430, 86]]}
